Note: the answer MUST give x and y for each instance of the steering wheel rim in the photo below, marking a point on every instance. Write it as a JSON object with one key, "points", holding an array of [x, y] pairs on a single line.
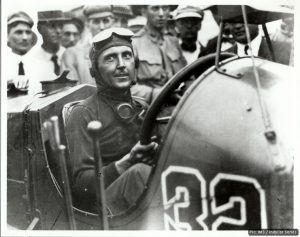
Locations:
{"points": [[199, 66]]}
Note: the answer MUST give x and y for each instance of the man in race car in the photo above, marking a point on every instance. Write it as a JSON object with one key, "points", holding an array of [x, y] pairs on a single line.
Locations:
{"points": [[125, 176]]}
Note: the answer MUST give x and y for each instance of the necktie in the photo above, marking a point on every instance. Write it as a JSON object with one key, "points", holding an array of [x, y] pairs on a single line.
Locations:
{"points": [[189, 47], [246, 49], [56, 66], [21, 69]]}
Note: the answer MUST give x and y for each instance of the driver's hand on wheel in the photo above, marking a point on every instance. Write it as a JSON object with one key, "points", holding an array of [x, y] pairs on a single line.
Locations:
{"points": [[143, 153], [138, 154]]}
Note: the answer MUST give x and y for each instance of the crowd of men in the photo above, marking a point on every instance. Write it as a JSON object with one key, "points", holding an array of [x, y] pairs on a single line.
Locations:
{"points": [[165, 40], [128, 53]]}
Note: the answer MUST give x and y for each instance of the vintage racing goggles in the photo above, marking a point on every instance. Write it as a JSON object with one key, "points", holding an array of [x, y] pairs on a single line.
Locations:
{"points": [[106, 34]]}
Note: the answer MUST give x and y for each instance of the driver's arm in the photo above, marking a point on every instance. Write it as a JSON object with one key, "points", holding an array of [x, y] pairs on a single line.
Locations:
{"points": [[139, 153], [81, 155], [82, 160]]}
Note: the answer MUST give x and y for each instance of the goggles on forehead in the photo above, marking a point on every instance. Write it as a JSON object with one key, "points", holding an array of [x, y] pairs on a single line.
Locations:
{"points": [[106, 34]]}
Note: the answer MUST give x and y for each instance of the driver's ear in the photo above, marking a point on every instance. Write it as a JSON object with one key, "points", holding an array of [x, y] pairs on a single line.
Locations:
{"points": [[136, 59], [136, 62]]}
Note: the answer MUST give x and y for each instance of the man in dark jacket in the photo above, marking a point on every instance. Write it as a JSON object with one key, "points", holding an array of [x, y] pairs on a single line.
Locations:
{"points": [[125, 176]]}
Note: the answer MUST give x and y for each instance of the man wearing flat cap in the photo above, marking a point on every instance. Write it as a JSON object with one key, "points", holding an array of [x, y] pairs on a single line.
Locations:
{"points": [[114, 70], [48, 55], [188, 23], [20, 40], [76, 59], [159, 53], [122, 13]]}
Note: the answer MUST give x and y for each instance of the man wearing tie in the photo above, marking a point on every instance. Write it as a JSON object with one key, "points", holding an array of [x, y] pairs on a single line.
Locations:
{"points": [[239, 34], [281, 50], [20, 39], [48, 55]]}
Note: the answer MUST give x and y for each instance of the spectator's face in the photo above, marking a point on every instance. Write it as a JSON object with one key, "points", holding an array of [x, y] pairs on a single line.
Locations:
{"points": [[121, 22], [239, 33], [157, 15], [117, 67], [70, 35], [97, 25], [188, 28], [51, 32], [20, 38]]}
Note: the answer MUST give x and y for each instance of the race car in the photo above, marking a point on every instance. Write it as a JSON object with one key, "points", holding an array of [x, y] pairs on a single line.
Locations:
{"points": [[225, 159]]}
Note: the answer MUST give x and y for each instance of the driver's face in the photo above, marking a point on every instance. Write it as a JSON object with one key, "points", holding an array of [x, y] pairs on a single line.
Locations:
{"points": [[117, 67]]}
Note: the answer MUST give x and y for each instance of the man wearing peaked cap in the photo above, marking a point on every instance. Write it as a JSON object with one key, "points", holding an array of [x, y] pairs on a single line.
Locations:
{"points": [[76, 59], [20, 45], [48, 55], [20, 39], [52, 16], [188, 23], [122, 14], [114, 70], [99, 17]]}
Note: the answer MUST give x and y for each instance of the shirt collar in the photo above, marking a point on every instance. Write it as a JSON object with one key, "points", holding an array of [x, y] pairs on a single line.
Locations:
{"points": [[48, 55], [155, 36], [255, 44]]}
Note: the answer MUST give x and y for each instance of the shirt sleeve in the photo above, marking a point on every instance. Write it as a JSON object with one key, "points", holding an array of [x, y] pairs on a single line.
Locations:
{"points": [[68, 62], [81, 155]]}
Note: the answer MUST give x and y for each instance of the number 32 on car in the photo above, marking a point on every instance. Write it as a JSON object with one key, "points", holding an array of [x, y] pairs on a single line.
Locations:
{"points": [[233, 202]]}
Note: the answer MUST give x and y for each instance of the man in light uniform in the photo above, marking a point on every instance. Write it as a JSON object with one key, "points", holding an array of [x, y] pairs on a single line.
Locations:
{"points": [[159, 53]]}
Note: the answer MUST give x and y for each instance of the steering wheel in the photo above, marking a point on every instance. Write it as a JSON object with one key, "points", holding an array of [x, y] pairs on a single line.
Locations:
{"points": [[194, 69]]}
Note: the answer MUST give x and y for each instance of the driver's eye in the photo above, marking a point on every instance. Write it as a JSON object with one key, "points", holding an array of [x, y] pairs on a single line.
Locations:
{"points": [[109, 58], [127, 55]]}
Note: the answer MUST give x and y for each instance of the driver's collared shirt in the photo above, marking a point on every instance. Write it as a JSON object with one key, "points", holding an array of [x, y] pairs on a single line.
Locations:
{"points": [[160, 57]]}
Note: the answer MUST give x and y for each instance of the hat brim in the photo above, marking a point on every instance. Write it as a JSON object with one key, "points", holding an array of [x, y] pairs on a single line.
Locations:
{"points": [[188, 15], [54, 20], [99, 15], [21, 20]]}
